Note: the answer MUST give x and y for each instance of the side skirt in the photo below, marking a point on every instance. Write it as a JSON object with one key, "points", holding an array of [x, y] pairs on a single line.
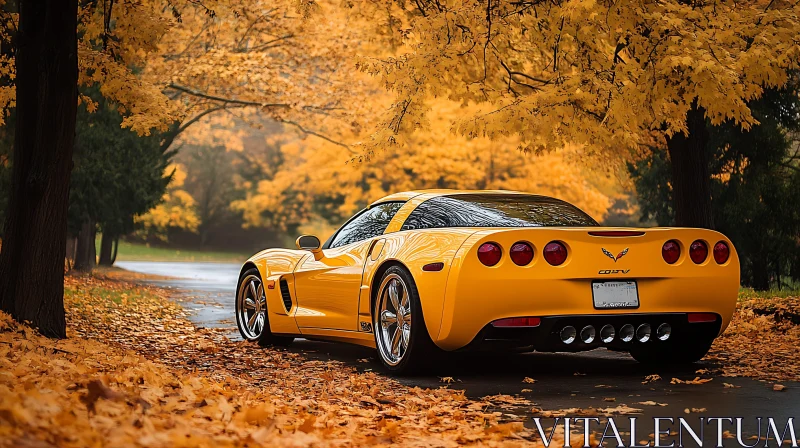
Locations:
{"points": [[366, 339]]}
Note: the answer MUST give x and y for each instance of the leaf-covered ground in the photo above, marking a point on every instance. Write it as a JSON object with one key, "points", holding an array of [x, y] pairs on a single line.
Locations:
{"points": [[135, 372], [762, 340]]}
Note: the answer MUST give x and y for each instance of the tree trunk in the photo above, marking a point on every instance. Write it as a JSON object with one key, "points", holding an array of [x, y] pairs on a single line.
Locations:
{"points": [[32, 258], [760, 274], [106, 246], [85, 256], [116, 248], [691, 181], [72, 244]]}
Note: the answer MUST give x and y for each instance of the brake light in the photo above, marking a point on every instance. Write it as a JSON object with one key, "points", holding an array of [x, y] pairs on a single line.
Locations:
{"points": [[721, 252], [518, 322], [698, 251], [671, 251], [521, 253], [489, 254], [616, 233], [555, 253], [695, 318]]}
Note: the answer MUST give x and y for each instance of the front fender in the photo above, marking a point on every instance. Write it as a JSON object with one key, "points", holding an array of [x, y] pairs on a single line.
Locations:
{"points": [[274, 265]]}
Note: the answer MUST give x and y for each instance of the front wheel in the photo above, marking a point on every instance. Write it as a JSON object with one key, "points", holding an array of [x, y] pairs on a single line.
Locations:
{"points": [[401, 337], [251, 311]]}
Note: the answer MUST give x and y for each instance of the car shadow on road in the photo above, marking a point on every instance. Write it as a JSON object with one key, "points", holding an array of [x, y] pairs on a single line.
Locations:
{"points": [[481, 373]]}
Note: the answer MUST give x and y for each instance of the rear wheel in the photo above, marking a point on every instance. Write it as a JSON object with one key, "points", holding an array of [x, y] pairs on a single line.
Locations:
{"points": [[401, 337], [658, 354], [251, 311]]}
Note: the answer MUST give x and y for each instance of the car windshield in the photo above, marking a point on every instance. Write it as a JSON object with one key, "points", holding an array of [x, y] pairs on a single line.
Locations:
{"points": [[495, 210]]}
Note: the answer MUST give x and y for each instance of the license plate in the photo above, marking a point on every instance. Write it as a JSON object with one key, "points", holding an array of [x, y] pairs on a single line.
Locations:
{"points": [[615, 295]]}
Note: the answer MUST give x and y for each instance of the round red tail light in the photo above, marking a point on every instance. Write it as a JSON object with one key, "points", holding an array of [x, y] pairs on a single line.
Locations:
{"points": [[555, 253], [698, 251], [489, 254], [671, 251], [521, 253], [721, 252]]}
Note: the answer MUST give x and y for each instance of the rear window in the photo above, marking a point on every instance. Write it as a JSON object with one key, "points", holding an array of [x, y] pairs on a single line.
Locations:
{"points": [[495, 210]]}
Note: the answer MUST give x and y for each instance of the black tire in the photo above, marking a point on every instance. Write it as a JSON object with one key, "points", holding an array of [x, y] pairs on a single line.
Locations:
{"points": [[263, 335], [420, 352], [653, 353]]}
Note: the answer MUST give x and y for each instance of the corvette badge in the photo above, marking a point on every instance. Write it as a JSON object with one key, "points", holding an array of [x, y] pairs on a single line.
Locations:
{"points": [[619, 255]]}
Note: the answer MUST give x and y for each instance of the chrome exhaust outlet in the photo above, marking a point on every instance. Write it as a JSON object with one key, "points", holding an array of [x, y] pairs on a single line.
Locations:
{"points": [[626, 333], [643, 333], [587, 334], [607, 333], [568, 334], [663, 332]]}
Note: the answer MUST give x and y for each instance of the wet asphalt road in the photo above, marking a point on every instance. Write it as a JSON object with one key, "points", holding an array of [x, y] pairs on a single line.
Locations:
{"points": [[590, 379]]}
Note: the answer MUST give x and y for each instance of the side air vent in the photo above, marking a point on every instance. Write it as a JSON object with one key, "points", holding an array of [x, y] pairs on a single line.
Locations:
{"points": [[287, 298]]}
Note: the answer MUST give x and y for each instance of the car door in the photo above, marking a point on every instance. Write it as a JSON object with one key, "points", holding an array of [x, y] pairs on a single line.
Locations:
{"points": [[328, 287]]}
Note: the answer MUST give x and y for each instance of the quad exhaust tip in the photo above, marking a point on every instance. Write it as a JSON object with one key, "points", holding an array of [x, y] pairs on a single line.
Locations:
{"points": [[568, 334], [607, 333], [643, 333], [626, 333], [663, 332], [588, 334]]}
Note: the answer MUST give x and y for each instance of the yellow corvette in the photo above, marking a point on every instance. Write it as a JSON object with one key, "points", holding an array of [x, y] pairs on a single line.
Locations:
{"points": [[421, 271]]}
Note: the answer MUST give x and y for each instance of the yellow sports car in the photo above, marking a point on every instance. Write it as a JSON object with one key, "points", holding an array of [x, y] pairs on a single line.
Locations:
{"points": [[421, 271]]}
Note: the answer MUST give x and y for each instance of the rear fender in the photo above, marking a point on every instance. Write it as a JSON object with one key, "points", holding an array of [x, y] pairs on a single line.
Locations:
{"points": [[413, 250]]}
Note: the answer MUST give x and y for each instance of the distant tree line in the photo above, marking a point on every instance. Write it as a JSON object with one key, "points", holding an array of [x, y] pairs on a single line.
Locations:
{"points": [[116, 176], [755, 188]]}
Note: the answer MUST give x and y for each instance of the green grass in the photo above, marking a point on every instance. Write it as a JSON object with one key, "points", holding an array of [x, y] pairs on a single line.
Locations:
{"points": [[749, 293], [142, 252]]}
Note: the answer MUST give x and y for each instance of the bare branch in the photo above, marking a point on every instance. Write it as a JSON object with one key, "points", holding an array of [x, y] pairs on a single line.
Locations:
{"points": [[316, 134], [221, 99], [267, 45]]}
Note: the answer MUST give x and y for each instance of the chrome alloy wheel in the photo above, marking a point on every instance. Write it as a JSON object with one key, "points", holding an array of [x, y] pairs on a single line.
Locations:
{"points": [[251, 305], [393, 322]]}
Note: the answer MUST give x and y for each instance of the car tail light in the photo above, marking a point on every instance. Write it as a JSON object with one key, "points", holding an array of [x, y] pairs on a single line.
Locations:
{"points": [[555, 253], [521, 253], [698, 251], [695, 318], [721, 252], [671, 251], [489, 254], [518, 322]]}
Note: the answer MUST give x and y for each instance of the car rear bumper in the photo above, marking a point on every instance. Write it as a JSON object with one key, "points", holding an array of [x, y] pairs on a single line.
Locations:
{"points": [[474, 304], [546, 337], [477, 294]]}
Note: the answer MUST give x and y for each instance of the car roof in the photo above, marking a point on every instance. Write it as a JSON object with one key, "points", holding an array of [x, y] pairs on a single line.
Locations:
{"points": [[407, 195]]}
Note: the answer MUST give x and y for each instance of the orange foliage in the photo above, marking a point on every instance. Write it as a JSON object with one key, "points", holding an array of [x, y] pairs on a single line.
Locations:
{"points": [[315, 180]]}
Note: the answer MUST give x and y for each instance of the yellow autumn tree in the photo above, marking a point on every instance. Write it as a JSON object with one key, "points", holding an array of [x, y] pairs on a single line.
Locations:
{"points": [[289, 61], [610, 75], [314, 189], [163, 61], [177, 209], [165, 64]]}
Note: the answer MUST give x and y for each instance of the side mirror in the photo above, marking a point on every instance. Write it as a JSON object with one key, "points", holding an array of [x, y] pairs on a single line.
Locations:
{"points": [[308, 242]]}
